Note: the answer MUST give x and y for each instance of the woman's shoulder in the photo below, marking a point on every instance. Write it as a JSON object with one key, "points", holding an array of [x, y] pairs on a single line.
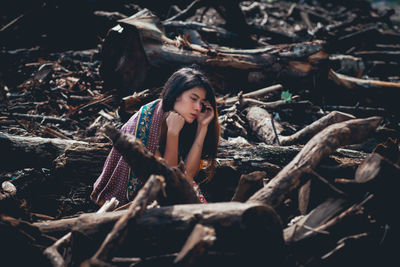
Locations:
{"points": [[152, 106]]}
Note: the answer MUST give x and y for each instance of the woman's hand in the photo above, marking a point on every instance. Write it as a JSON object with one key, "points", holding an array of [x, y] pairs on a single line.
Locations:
{"points": [[205, 117], [175, 122]]}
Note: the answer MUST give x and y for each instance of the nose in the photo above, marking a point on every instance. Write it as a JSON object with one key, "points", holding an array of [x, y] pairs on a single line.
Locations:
{"points": [[198, 106]]}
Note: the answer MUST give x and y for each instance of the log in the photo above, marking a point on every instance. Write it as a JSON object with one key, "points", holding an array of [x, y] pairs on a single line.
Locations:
{"points": [[318, 216], [199, 240], [145, 44], [119, 232], [319, 147], [18, 152], [269, 158], [355, 83], [309, 131], [7, 190], [144, 163], [52, 253], [262, 124], [248, 185], [238, 226], [255, 94]]}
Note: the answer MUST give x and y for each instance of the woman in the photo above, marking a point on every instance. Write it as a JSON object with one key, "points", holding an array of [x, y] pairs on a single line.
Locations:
{"points": [[182, 125]]}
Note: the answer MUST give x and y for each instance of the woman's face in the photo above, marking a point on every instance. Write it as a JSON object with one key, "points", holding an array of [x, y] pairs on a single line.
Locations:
{"points": [[189, 103]]}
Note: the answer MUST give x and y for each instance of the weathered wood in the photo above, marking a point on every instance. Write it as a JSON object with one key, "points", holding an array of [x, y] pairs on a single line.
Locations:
{"points": [[261, 120], [52, 253], [318, 216], [119, 232], [309, 131], [248, 185], [355, 83], [144, 163], [199, 240], [320, 146], [269, 158], [7, 190], [237, 225], [153, 49], [19, 152], [255, 94]]}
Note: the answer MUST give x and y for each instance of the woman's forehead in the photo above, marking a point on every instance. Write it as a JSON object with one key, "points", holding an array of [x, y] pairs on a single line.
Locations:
{"points": [[199, 91]]}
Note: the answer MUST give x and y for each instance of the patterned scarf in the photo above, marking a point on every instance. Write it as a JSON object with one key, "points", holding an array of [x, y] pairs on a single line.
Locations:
{"points": [[117, 179]]}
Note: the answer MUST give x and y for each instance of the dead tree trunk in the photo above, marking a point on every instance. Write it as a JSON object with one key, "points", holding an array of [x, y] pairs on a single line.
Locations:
{"points": [[139, 42], [238, 226], [320, 146], [19, 152]]}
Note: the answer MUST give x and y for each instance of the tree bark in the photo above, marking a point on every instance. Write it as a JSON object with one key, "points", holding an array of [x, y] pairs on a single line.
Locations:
{"points": [[248, 185], [119, 232], [237, 225], [18, 152], [262, 124], [321, 145], [140, 42]]}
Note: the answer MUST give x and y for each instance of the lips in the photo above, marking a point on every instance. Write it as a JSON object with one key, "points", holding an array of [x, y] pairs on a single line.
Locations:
{"points": [[193, 115]]}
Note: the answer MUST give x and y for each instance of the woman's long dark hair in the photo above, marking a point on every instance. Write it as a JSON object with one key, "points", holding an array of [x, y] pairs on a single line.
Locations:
{"points": [[182, 80]]}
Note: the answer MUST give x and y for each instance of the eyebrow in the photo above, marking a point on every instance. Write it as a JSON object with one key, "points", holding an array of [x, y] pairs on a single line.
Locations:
{"points": [[194, 94]]}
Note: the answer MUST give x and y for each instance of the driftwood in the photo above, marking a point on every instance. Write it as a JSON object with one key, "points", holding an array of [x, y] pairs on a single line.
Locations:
{"points": [[355, 83], [269, 158], [7, 190], [119, 232], [320, 146], [237, 227], [147, 46], [255, 94], [199, 240], [52, 253], [270, 132], [25, 151], [248, 185]]}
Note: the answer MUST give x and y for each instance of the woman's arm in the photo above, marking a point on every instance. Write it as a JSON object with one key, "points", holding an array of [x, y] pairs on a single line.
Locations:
{"points": [[192, 164], [175, 123]]}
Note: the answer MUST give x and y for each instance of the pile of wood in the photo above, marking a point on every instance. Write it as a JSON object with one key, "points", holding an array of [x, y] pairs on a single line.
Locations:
{"points": [[308, 164]]}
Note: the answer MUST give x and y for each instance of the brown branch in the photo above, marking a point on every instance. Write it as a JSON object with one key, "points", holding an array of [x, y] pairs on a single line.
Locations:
{"points": [[52, 254], [320, 146], [201, 238], [118, 234]]}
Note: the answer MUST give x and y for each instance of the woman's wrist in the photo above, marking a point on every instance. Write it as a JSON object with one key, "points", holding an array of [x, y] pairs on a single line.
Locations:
{"points": [[202, 128], [173, 132]]}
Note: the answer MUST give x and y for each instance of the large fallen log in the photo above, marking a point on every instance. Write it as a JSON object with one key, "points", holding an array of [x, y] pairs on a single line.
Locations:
{"points": [[320, 146], [137, 47], [269, 158], [18, 152], [119, 232], [238, 226]]}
